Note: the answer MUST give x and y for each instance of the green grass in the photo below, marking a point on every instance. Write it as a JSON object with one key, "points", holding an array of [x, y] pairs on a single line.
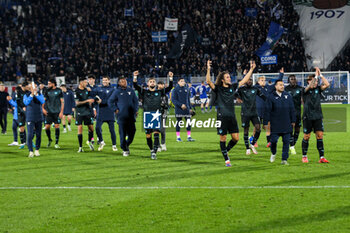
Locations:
{"points": [[198, 164]]}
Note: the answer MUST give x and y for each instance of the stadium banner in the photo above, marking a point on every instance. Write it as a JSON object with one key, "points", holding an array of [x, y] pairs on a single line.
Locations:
{"points": [[338, 92], [251, 12], [186, 38], [268, 60], [170, 24], [273, 35], [60, 80], [325, 30], [129, 12], [31, 68], [160, 36]]}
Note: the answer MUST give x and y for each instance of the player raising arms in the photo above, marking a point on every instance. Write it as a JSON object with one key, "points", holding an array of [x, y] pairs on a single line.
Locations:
{"points": [[152, 102], [312, 115], [249, 113], [225, 95]]}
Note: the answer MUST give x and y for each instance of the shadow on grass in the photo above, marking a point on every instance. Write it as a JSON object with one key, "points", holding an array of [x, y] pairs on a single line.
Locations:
{"points": [[299, 220]]}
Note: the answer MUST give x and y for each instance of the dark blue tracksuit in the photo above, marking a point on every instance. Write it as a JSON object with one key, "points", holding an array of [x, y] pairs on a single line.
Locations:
{"points": [[104, 113], [281, 114], [260, 102], [69, 102], [180, 96], [127, 104], [34, 119]]}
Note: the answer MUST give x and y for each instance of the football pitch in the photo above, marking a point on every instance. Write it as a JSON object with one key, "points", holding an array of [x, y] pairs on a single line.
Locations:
{"points": [[187, 189]]}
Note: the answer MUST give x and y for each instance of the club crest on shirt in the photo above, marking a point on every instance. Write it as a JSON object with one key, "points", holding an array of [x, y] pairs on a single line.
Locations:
{"points": [[286, 96], [298, 92], [129, 92], [253, 91]]}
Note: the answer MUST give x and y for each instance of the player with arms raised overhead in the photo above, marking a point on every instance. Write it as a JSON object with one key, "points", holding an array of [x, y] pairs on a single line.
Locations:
{"points": [[152, 102], [312, 115], [225, 95]]}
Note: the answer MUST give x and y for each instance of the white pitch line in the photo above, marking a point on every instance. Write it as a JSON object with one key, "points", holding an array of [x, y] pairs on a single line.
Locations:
{"points": [[182, 187]]}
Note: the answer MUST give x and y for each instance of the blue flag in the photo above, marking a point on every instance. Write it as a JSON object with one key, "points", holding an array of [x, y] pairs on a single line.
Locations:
{"points": [[275, 32], [129, 12], [251, 12], [160, 36]]}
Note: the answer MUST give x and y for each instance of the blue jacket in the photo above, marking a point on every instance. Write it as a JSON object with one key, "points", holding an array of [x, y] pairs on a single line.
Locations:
{"points": [[34, 112], [280, 112], [69, 102], [266, 91], [180, 96], [14, 105], [126, 102], [104, 113]]}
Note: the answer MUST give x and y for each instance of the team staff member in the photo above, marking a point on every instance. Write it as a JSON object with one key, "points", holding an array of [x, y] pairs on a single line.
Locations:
{"points": [[104, 113], [312, 115], [225, 95], [3, 108], [152, 102], [69, 107], [83, 102], [280, 114], [53, 110], [34, 118], [183, 108], [248, 94], [124, 103], [296, 92]]}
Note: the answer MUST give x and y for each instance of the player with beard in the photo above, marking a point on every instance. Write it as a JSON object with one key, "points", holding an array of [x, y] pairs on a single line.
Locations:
{"points": [[248, 94], [225, 95], [83, 114], [53, 110], [152, 102], [312, 115], [296, 92]]}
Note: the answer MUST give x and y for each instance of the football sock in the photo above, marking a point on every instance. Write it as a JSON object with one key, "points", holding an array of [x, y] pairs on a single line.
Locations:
{"points": [[296, 136], [246, 141], [80, 139], [156, 142], [304, 147], [57, 134], [48, 134], [91, 135], [231, 144], [223, 150], [320, 147], [150, 143]]}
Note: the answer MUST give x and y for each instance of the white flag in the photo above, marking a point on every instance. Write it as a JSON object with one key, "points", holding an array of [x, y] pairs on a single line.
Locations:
{"points": [[325, 32], [60, 80], [170, 24]]}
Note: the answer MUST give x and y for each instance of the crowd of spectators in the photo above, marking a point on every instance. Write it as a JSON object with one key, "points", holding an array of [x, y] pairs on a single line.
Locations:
{"points": [[77, 37]]}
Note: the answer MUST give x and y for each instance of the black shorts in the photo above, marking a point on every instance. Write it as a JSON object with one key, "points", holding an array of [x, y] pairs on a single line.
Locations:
{"points": [[149, 131], [52, 118], [87, 120], [315, 125], [247, 119], [21, 119], [228, 125]]}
